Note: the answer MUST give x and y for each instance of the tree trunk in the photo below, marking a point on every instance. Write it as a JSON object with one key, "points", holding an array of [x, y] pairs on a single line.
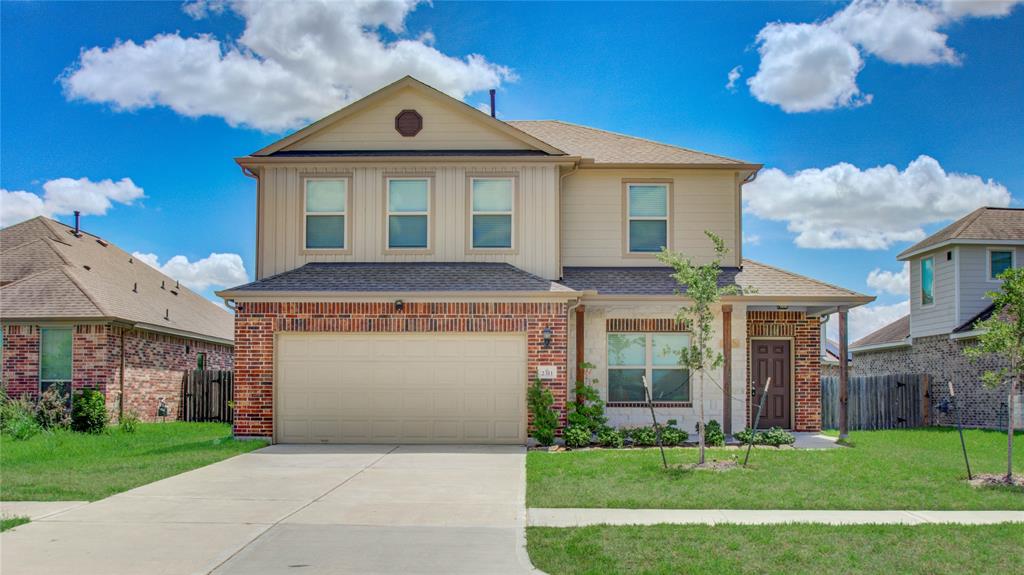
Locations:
{"points": [[700, 398], [1009, 431]]}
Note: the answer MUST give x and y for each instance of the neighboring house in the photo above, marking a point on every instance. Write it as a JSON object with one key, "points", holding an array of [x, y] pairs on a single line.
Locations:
{"points": [[79, 312], [419, 263], [830, 358], [950, 273]]}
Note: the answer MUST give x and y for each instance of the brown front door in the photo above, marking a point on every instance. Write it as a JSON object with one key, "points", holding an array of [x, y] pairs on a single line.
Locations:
{"points": [[770, 358]]}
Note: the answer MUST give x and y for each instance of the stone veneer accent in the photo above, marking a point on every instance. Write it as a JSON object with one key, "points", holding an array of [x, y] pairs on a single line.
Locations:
{"points": [[942, 359], [257, 322], [805, 333], [154, 364]]}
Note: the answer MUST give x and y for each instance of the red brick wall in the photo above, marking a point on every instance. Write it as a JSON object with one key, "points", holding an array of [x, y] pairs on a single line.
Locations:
{"points": [[805, 333], [256, 323], [154, 364]]}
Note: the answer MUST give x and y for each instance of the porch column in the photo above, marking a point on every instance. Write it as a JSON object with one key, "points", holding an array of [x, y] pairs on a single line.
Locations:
{"points": [[580, 360], [843, 375], [727, 368]]}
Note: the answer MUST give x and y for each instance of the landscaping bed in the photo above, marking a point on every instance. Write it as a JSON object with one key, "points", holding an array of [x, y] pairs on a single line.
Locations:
{"points": [[794, 548], [895, 469], [63, 465]]}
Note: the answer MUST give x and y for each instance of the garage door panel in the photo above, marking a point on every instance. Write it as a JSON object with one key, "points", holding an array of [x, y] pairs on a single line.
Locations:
{"points": [[390, 388]]}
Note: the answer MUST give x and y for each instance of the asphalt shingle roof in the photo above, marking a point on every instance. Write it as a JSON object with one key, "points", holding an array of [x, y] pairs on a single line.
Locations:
{"points": [[604, 147], [981, 224], [896, 332], [980, 316], [402, 277], [49, 273]]}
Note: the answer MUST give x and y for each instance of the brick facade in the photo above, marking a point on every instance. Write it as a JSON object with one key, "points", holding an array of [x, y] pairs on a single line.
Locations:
{"points": [[257, 322], [943, 360], [154, 364], [805, 334]]}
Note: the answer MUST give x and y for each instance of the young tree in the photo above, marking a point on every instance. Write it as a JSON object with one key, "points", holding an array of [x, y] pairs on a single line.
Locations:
{"points": [[1003, 336], [699, 284]]}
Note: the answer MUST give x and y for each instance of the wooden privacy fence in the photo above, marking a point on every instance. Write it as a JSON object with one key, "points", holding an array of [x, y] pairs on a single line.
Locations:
{"points": [[877, 401], [206, 395]]}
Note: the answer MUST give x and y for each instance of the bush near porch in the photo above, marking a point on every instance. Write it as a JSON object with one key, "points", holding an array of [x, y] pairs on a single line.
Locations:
{"points": [[62, 465], [784, 549], [895, 469]]}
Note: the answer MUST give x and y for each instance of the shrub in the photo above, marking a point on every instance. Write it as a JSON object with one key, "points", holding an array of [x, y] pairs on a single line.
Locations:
{"points": [[576, 436], [747, 436], [89, 412], [52, 410], [17, 418], [589, 411], [673, 436], [713, 435], [545, 421], [130, 422], [776, 436], [643, 436], [610, 438]]}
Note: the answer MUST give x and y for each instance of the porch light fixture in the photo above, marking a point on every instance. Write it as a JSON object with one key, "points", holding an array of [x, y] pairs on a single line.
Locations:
{"points": [[399, 305], [546, 335]]}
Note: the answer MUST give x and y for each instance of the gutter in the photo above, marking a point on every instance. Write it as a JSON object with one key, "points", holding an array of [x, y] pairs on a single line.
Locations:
{"points": [[880, 346], [966, 334]]}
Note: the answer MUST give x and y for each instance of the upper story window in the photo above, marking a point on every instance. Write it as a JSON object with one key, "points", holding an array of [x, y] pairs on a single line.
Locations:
{"points": [[648, 209], [927, 281], [492, 213], [632, 356], [998, 262], [408, 212], [325, 207], [55, 360]]}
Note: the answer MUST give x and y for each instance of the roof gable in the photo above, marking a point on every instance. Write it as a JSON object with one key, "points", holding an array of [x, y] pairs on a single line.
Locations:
{"points": [[369, 124], [983, 224]]}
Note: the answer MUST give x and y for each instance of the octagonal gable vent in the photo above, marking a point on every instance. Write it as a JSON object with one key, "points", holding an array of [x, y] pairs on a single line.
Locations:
{"points": [[408, 123]]}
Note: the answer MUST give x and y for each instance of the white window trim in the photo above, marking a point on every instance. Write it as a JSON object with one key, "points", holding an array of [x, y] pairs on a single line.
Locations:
{"points": [[667, 218], [920, 273], [511, 213], [346, 239], [388, 213], [39, 353], [988, 262], [648, 368]]}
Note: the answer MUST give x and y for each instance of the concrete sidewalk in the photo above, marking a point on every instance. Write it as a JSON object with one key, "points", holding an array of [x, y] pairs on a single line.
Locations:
{"points": [[544, 517]]}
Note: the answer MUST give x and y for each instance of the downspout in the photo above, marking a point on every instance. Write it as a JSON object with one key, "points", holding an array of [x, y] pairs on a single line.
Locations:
{"points": [[120, 407], [558, 211]]}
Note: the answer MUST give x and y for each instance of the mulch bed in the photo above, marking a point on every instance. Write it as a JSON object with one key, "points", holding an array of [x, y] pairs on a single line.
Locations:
{"points": [[996, 480], [709, 466]]}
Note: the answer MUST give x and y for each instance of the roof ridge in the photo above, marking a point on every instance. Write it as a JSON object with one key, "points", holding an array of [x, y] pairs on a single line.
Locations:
{"points": [[648, 140], [801, 276]]}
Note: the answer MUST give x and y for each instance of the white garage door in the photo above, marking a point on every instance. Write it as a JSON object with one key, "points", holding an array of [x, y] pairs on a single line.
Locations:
{"points": [[401, 388]]}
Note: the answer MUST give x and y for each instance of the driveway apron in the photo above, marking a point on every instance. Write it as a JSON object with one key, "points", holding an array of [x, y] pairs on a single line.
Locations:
{"points": [[306, 509]]}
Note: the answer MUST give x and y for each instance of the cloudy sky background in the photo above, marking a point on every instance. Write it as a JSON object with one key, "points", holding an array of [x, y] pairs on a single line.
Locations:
{"points": [[877, 122]]}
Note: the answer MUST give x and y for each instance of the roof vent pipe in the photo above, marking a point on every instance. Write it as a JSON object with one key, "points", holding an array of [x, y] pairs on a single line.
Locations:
{"points": [[491, 91], [78, 214]]}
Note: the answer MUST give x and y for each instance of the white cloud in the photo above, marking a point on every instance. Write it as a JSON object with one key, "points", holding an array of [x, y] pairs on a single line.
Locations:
{"points": [[293, 63], [896, 283], [842, 206], [199, 9], [63, 196], [814, 66], [733, 75], [866, 319], [751, 239], [222, 270]]}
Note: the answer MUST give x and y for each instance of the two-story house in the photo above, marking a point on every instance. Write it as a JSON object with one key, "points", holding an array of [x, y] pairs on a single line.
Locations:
{"points": [[951, 272], [419, 263]]}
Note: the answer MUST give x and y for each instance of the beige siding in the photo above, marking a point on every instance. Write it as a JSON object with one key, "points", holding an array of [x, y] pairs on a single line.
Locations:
{"points": [[445, 127], [592, 215], [974, 279], [536, 235], [939, 317]]}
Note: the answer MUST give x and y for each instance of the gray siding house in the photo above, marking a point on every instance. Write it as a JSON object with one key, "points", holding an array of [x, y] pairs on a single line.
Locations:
{"points": [[951, 272]]}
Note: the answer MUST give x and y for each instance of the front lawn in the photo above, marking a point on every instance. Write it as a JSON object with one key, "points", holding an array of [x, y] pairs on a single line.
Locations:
{"points": [[900, 469], [794, 548], [68, 466]]}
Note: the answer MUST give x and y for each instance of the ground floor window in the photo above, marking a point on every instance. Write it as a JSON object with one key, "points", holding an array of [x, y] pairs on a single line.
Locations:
{"points": [[55, 360], [631, 356]]}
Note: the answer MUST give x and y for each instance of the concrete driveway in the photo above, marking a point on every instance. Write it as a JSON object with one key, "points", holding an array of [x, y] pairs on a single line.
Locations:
{"points": [[303, 509]]}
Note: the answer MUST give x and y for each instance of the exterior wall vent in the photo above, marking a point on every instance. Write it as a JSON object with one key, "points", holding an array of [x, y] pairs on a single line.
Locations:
{"points": [[408, 123]]}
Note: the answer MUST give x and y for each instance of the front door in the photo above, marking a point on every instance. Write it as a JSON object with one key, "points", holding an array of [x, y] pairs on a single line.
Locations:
{"points": [[771, 358]]}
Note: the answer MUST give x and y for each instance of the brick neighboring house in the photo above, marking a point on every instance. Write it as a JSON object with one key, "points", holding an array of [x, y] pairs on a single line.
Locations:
{"points": [[78, 312], [419, 263], [950, 273]]}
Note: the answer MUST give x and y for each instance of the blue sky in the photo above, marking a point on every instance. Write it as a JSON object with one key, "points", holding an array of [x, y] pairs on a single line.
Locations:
{"points": [[656, 70]]}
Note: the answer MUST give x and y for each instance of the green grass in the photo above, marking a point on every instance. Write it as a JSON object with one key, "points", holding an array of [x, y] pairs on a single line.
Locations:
{"points": [[68, 466], [786, 549], [12, 522], [904, 469]]}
